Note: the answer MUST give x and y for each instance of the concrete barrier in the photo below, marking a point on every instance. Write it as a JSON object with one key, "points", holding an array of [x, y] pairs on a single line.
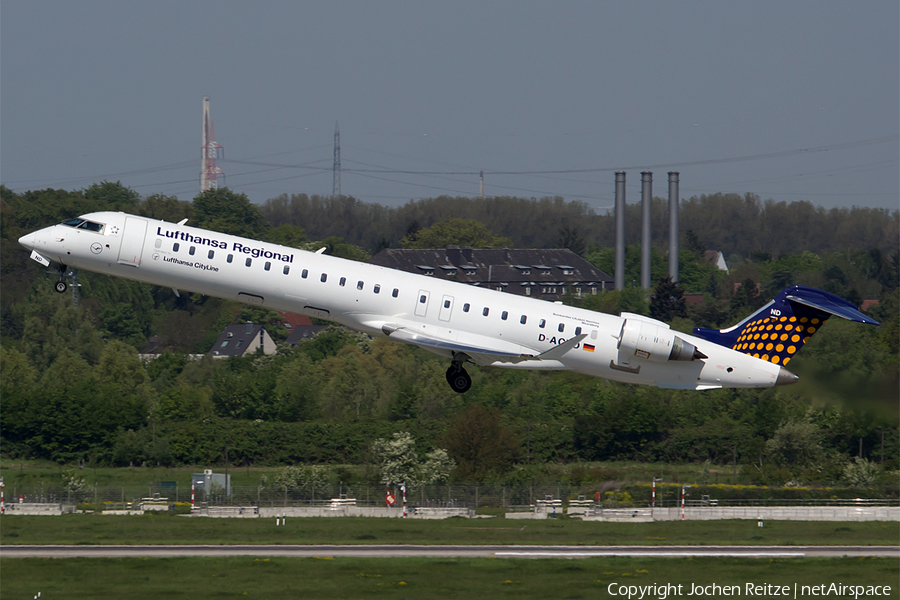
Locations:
{"points": [[619, 515], [348, 510], [39, 509], [766, 513], [526, 515]]}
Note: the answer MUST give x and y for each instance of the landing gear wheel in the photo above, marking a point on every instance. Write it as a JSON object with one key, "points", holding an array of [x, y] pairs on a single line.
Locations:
{"points": [[458, 379], [60, 287]]}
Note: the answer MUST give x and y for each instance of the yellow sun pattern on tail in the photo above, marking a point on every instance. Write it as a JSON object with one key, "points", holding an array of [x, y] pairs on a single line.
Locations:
{"points": [[777, 339]]}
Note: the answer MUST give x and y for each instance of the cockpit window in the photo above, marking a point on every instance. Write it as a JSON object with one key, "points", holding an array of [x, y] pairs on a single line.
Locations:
{"points": [[84, 224], [91, 226]]}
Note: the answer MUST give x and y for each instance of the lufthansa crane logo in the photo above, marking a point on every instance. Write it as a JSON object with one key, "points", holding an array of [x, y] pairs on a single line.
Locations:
{"points": [[96, 248]]}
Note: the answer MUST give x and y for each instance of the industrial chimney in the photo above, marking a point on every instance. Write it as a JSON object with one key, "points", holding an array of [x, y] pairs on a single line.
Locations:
{"points": [[619, 275], [674, 204], [646, 202]]}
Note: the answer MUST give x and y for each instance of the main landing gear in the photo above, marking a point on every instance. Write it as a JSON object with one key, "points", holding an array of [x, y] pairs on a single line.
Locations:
{"points": [[457, 377]]}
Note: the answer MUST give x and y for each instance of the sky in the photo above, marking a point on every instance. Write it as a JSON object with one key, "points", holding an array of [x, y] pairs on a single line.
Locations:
{"points": [[787, 100]]}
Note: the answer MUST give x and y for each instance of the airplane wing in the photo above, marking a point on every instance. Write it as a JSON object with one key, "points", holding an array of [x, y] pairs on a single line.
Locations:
{"points": [[481, 354]]}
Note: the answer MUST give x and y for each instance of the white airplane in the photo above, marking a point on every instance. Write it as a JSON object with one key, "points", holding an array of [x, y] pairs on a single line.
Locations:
{"points": [[467, 324]]}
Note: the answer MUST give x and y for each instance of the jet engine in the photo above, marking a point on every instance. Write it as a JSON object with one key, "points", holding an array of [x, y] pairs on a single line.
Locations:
{"points": [[657, 343]]}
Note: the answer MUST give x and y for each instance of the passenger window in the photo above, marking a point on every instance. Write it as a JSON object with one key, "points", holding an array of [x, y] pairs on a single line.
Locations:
{"points": [[578, 331], [287, 269], [522, 319], [593, 334], [210, 255], [248, 262], [192, 250], [504, 315], [268, 266], [561, 327], [158, 243], [230, 258], [175, 247], [395, 293], [304, 273], [423, 299], [446, 304], [377, 288], [466, 307], [342, 282], [359, 285], [542, 323], [485, 311], [324, 277]]}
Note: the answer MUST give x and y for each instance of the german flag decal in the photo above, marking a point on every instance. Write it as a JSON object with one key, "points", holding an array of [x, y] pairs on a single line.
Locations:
{"points": [[588, 347]]}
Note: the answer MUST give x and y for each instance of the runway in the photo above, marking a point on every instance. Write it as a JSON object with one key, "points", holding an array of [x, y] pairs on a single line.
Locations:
{"points": [[409, 551]]}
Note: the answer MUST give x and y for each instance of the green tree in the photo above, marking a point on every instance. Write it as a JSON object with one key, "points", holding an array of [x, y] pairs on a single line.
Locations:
{"points": [[398, 462], [112, 196], [667, 301], [287, 235], [453, 231], [795, 444], [165, 208], [122, 321], [120, 367], [569, 238], [229, 212], [335, 246], [480, 444], [297, 390]]}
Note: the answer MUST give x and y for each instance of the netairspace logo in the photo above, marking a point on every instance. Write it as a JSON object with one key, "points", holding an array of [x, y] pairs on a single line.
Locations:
{"points": [[753, 590]]}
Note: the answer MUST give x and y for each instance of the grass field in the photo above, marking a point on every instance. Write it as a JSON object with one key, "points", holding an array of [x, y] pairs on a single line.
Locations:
{"points": [[247, 577], [169, 529]]}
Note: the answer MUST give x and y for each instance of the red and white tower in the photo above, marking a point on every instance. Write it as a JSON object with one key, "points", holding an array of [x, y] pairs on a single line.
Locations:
{"points": [[209, 152]]}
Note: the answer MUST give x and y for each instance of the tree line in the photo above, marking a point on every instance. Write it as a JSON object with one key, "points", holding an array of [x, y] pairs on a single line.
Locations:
{"points": [[739, 226], [73, 387]]}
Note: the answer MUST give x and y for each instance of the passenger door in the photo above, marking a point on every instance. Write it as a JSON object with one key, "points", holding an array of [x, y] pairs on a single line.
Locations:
{"points": [[132, 241]]}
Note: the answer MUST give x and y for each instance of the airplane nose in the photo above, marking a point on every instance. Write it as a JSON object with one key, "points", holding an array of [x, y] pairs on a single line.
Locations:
{"points": [[785, 377], [28, 240]]}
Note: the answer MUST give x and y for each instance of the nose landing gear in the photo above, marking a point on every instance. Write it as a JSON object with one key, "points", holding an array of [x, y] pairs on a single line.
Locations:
{"points": [[60, 286]]}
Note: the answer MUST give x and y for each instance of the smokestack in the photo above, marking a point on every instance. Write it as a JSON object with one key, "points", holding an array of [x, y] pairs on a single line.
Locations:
{"points": [[673, 225], [619, 275], [646, 201]]}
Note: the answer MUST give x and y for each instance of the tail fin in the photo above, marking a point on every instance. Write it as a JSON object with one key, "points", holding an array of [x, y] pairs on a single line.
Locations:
{"points": [[779, 329]]}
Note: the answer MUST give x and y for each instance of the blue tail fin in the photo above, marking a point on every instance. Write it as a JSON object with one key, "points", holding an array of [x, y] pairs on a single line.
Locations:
{"points": [[779, 329]]}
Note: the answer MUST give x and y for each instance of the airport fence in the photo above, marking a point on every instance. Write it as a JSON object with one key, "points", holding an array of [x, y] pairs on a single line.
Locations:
{"points": [[453, 495]]}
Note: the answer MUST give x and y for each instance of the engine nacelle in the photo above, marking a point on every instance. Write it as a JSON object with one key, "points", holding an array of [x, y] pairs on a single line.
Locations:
{"points": [[646, 341]]}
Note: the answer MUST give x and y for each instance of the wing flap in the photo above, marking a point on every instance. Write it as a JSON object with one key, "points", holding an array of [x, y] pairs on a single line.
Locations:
{"points": [[482, 354]]}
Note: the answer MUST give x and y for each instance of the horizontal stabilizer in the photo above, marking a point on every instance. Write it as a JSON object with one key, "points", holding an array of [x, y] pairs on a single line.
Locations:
{"points": [[779, 329], [829, 303]]}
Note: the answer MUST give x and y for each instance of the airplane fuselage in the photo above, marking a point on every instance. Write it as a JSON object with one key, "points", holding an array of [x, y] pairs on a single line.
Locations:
{"points": [[461, 321]]}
